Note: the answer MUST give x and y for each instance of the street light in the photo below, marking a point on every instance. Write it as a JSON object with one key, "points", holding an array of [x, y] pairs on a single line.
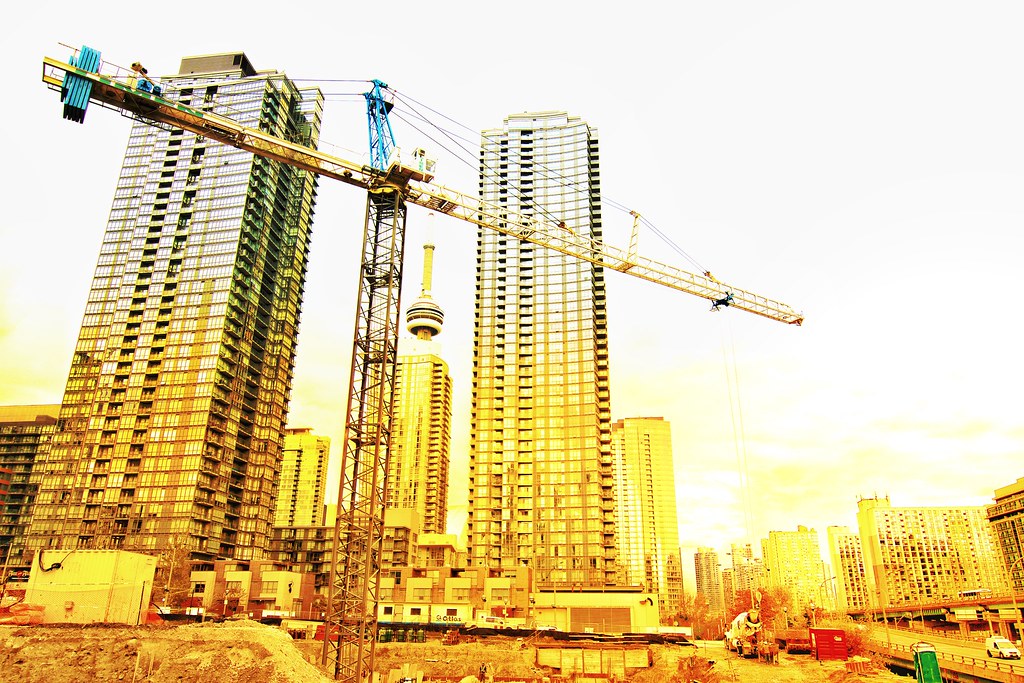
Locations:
{"points": [[879, 587], [826, 595], [885, 618], [1013, 596]]}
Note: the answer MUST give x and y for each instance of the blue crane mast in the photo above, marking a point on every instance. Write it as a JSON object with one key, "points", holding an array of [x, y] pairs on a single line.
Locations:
{"points": [[382, 139]]}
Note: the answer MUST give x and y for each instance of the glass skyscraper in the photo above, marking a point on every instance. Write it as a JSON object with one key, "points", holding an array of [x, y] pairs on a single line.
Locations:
{"points": [[170, 430], [541, 480], [25, 435]]}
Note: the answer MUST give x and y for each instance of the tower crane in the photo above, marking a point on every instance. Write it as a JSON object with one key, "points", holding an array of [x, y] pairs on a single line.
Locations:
{"points": [[350, 626]]}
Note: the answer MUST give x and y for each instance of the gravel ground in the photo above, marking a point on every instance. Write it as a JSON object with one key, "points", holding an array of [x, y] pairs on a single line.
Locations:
{"points": [[247, 652]]}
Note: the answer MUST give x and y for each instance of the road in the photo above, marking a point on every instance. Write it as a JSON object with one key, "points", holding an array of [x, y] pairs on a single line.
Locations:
{"points": [[951, 651]]}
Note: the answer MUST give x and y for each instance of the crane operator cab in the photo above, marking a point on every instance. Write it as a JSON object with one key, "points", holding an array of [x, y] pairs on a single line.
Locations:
{"points": [[420, 169]]}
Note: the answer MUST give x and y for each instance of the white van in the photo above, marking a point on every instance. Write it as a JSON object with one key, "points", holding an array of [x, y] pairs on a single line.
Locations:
{"points": [[489, 621], [1000, 647]]}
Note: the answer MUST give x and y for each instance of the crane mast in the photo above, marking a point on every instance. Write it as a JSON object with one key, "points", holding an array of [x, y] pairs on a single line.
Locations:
{"points": [[350, 627]]}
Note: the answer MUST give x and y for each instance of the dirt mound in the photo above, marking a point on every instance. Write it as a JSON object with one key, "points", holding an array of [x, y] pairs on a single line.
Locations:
{"points": [[232, 652]]}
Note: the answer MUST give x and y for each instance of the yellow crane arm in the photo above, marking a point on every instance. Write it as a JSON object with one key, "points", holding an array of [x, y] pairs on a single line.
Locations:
{"points": [[417, 188]]}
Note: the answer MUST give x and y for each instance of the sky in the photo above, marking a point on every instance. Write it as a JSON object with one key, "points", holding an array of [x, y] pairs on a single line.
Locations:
{"points": [[860, 162]]}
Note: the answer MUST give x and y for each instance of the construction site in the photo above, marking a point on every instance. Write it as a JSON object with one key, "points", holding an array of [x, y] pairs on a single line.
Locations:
{"points": [[99, 622], [249, 652], [104, 626]]}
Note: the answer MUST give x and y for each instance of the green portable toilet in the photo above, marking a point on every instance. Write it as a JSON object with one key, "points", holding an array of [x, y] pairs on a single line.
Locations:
{"points": [[926, 663]]}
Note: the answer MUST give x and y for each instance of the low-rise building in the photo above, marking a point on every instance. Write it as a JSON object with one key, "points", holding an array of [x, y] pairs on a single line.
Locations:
{"points": [[257, 589]]}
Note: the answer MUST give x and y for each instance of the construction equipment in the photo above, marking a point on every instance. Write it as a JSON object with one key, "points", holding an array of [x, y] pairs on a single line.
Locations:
{"points": [[742, 634], [390, 186], [793, 640]]}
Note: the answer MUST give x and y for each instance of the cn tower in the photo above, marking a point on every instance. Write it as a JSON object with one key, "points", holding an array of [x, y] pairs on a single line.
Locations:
{"points": [[424, 317]]}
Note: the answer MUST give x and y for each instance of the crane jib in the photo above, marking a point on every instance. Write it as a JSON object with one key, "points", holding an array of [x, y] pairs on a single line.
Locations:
{"points": [[79, 83]]}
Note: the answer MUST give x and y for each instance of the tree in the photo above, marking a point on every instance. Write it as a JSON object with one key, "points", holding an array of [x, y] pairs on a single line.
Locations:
{"points": [[774, 603], [700, 617], [174, 573]]}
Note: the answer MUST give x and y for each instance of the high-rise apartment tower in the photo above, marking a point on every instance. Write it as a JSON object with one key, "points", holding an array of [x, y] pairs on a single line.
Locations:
{"points": [[647, 527], [747, 575], [847, 558], [171, 426], [541, 481], [421, 434], [303, 480], [792, 560], [915, 556], [708, 576], [25, 435], [1006, 517]]}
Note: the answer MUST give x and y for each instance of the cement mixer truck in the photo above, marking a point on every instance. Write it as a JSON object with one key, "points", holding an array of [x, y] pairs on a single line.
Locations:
{"points": [[741, 636]]}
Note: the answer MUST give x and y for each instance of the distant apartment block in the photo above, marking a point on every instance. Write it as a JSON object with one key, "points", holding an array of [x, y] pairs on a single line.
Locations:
{"points": [[1006, 517], [303, 483], [708, 574], [923, 555], [647, 526], [305, 549], [793, 561], [421, 440], [847, 560], [728, 588], [747, 574], [25, 434]]}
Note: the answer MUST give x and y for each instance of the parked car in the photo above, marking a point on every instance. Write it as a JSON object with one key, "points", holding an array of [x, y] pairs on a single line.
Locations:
{"points": [[1001, 648]]}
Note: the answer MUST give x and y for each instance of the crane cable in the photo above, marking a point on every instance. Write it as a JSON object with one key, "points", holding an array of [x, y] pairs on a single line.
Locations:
{"points": [[736, 414], [541, 169], [467, 156]]}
